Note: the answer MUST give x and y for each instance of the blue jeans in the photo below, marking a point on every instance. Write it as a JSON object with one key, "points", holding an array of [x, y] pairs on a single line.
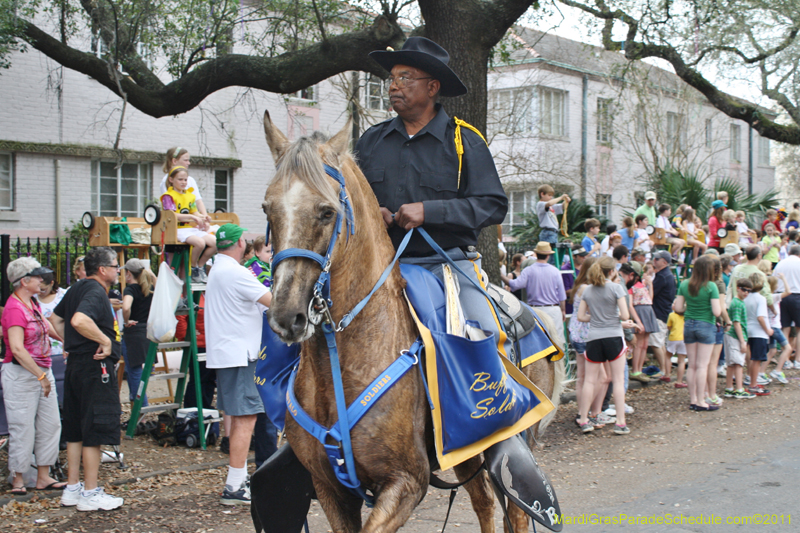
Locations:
{"points": [[695, 331], [777, 338], [134, 378]]}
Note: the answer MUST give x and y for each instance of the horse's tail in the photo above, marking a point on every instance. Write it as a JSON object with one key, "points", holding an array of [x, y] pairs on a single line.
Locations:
{"points": [[559, 375], [559, 379]]}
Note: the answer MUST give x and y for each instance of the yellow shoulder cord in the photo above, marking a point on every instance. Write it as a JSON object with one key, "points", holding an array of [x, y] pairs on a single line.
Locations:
{"points": [[460, 144], [564, 225]]}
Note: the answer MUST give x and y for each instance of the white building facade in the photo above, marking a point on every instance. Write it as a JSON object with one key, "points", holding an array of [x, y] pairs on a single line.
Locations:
{"points": [[557, 114], [579, 117]]}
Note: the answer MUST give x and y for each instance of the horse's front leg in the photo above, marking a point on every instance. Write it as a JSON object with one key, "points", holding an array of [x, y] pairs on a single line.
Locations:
{"points": [[342, 509], [479, 490], [396, 501]]}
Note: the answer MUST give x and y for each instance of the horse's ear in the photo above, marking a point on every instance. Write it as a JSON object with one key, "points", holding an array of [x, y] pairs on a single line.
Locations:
{"points": [[340, 143], [276, 140]]}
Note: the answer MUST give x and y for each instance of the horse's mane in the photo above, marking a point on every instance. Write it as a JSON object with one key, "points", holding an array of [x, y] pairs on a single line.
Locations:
{"points": [[302, 160]]}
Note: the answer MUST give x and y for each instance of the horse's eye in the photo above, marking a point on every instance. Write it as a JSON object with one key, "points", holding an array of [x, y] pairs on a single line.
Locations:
{"points": [[327, 214]]}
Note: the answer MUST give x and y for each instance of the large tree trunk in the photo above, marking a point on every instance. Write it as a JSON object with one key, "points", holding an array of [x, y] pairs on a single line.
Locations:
{"points": [[452, 25]]}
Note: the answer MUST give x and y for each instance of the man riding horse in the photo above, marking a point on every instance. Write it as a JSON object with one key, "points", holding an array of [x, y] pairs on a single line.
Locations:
{"points": [[436, 172], [413, 165], [429, 172]]}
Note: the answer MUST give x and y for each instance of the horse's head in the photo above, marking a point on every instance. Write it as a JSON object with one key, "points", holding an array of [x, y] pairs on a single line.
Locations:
{"points": [[301, 205]]}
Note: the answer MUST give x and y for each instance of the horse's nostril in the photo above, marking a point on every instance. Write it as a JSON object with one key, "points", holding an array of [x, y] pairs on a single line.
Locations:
{"points": [[299, 324]]}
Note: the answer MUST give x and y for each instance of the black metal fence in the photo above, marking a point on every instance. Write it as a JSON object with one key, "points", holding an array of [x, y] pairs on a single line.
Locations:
{"points": [[58, 254]]}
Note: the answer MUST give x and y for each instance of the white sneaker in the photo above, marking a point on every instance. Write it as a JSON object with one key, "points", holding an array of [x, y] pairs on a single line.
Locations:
{"points": [[722, 371], [764, 379], [97, 500], [797, 365], [788, 365], [69, 498], [611, 407], [779, 376]]}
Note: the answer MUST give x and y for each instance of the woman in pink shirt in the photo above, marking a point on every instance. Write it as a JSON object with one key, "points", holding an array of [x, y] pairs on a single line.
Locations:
{"points": [[715, 222], [29, 388]]}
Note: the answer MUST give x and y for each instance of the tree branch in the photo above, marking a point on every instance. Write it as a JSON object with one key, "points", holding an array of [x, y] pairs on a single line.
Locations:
{"points": [[734, 108], [282, 74]]}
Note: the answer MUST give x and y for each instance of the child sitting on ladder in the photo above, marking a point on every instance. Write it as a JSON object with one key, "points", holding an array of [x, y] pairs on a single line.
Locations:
{"points": [[183, 202]]}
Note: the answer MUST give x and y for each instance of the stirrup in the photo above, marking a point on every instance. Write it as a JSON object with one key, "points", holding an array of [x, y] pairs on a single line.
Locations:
{"points": [[515, 473], [281, 491]]}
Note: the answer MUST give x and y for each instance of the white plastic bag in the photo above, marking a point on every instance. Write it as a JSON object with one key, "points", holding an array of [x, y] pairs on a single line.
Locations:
{"points": [[162, 321]]}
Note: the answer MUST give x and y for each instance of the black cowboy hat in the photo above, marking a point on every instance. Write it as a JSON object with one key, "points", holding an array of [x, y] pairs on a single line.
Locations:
{"points": [[424, 54]]}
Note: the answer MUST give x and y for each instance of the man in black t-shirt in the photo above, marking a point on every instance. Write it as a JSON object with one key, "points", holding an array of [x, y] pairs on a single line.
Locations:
{"points": [[85, 320], [663, 295]]}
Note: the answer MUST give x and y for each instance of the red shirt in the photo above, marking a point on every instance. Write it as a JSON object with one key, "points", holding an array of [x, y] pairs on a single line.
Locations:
{"points": [[777, 225], [200, 325], [713, 226]]}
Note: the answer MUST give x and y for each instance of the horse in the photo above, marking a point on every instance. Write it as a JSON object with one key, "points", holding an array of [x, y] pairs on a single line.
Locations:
{"points": [[392, 443]]}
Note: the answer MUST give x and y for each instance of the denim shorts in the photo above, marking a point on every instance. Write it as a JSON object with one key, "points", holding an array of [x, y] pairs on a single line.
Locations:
{"points": [[777, 337], [699, 331], [580, 347]]}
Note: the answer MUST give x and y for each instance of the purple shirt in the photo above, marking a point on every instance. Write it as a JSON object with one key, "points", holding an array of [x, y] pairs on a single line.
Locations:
{"points": [[543, 284]]}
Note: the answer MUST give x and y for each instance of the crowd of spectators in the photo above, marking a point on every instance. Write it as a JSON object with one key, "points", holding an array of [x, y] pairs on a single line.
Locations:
{"points": [[712, 304]]}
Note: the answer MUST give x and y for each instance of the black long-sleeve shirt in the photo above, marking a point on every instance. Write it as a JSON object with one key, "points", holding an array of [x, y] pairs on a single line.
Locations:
{"points": [[424, 168]]}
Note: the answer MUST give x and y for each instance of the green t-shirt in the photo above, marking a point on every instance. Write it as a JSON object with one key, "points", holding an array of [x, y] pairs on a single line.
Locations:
{"points": [[699, 307], [738, 313], [646, 210]]}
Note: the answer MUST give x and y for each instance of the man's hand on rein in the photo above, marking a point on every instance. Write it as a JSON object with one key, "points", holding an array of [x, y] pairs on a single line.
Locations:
{"points": [[410, 215], [388, 217]]}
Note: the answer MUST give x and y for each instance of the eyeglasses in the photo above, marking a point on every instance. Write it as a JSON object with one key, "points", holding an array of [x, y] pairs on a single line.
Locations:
{"points": [[117, 266], [744, 290], [404, 81]]}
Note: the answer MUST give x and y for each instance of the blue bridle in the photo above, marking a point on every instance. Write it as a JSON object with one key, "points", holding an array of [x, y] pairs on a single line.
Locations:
{"points": [[340, 454], [322, 287]]}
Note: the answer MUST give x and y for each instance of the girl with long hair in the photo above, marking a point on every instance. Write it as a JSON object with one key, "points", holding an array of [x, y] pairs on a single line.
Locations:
{"points": [[603, 305], [689, 227], [641, 290], [136, 300], [578, 335], [628, 233], [698, 300]]}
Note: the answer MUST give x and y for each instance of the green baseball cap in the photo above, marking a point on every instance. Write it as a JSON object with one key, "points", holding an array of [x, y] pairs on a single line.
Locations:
{"points": [[228, 235]]}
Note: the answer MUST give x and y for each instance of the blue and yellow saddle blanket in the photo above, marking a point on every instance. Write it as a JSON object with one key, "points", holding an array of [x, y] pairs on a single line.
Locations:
{"points": [[477, 396]]}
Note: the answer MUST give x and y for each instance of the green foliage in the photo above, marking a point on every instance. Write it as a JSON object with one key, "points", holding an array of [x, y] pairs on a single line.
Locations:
{"points": [[75, 230], [577, 213], [528, 233], [754, 205], [675, 188]]}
